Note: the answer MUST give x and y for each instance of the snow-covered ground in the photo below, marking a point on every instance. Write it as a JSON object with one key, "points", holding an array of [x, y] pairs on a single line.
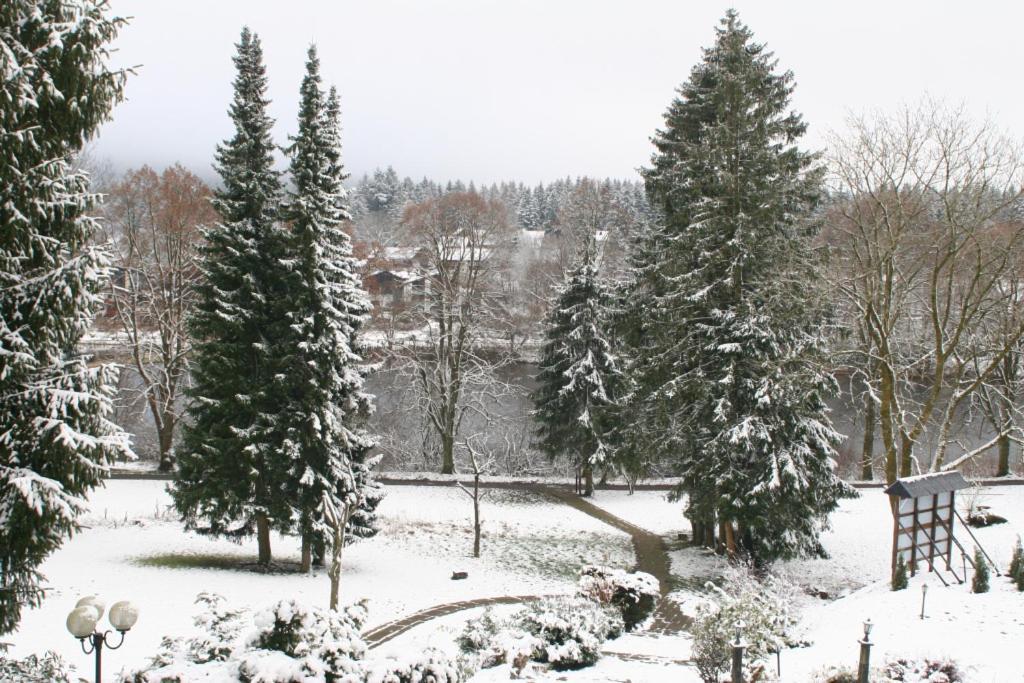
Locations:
{"points": [[531, 546], [983, 631]]}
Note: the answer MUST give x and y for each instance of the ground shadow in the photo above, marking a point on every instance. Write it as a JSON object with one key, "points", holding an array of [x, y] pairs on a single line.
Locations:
{"points": [[236, 563]]}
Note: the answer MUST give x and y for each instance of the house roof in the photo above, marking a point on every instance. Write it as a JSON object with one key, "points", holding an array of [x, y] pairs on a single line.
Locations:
{"points": [[927, 484]]}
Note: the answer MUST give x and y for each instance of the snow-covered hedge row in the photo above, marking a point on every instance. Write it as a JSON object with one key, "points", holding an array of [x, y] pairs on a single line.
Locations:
{"points": [[899, 671], [284, 643], [49, 668], [565, 633], [635, 594], [430, 666]]}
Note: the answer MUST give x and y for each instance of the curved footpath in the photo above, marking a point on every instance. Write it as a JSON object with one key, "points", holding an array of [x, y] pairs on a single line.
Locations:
{"points": [[651, 557]]}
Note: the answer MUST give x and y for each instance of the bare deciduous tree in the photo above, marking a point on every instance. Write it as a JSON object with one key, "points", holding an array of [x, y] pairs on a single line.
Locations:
{"points": [[479, 465], [154, 224], [464, 240], [923, 259]]}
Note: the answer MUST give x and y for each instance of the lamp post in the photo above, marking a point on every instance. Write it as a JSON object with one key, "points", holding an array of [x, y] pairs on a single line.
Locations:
{"points": [[82, 624], [865, 654], [924, 594], [738, 646]]}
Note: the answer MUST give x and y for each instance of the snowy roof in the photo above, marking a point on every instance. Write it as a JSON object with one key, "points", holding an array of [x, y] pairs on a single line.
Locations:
{"points": [[400, 253], [403, 275], [927, 484], [533, 238]]}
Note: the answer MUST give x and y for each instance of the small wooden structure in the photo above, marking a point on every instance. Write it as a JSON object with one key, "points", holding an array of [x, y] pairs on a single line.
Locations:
{"points": [[923, 509]]}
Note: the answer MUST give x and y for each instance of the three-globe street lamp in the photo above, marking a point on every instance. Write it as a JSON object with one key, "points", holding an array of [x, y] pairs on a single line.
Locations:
{"points": [[82, 624]]}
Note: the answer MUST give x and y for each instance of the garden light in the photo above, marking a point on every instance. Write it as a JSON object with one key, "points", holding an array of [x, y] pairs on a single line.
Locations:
{"points": [[82, 622]]}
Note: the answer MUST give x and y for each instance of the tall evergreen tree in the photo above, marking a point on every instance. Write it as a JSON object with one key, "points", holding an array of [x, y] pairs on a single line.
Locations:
{"points": [[729, 350], [323, 405], [230, 470], [578, 371], [55, 90]]}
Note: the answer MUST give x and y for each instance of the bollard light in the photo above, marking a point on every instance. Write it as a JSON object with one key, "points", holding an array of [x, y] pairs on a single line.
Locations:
{"points": [[924, 594], [82, 622], [864, 665], [739, 630]]}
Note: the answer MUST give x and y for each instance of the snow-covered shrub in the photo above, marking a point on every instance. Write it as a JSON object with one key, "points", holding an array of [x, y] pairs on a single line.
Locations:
{"points": [[325, 643], [571, 630], [923, 671], [49, 668], [430, 666], [565, 633], [1016, 560], [478, 632], [490, 642], [899, 577], [979, 584], [221, 626], [290, 642], [833, 674], [635, 594], [762, 604]]}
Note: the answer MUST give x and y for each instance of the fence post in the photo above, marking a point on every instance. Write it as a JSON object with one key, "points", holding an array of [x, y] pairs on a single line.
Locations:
{"points": [[865, 654], [737, 654]]}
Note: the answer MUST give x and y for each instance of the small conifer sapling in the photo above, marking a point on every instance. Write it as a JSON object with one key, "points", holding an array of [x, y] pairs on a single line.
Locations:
{"points": [[980, 582], [899, 577]]}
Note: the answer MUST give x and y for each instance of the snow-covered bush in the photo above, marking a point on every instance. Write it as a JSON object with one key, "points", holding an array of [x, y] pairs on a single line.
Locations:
{"points": [[479, 632], [1016, 560], [635, 594], [761, 604], [49, 668], [290, 642], [834, 674], [490, 642], [430, 666], [979, 584], [565, 633], [899, 577], [572, 630], [923, 671]]}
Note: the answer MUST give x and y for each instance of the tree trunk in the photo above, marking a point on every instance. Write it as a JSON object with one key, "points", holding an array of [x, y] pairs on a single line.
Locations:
{"points": [[334, 573], [165, 437], [307, 554], [476, 516], [1003, 466], [263, 538], [886, 417], [730, 539], [867, 456], [588, 480], [319, 552], [447, 454]]}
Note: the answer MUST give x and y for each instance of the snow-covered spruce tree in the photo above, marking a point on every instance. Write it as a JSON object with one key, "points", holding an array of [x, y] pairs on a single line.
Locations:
{"points": [[323, 406], [578, 372], [730, 355], [230, 471], [55, 90]]}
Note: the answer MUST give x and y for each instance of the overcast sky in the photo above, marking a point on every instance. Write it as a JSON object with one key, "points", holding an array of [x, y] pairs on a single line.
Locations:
{"points": [[534, 90]]}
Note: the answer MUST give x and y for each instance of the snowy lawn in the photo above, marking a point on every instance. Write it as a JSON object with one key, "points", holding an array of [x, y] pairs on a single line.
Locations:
{"points": [[648, 510], [983, 631], [135, 549], [980, 631]]}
